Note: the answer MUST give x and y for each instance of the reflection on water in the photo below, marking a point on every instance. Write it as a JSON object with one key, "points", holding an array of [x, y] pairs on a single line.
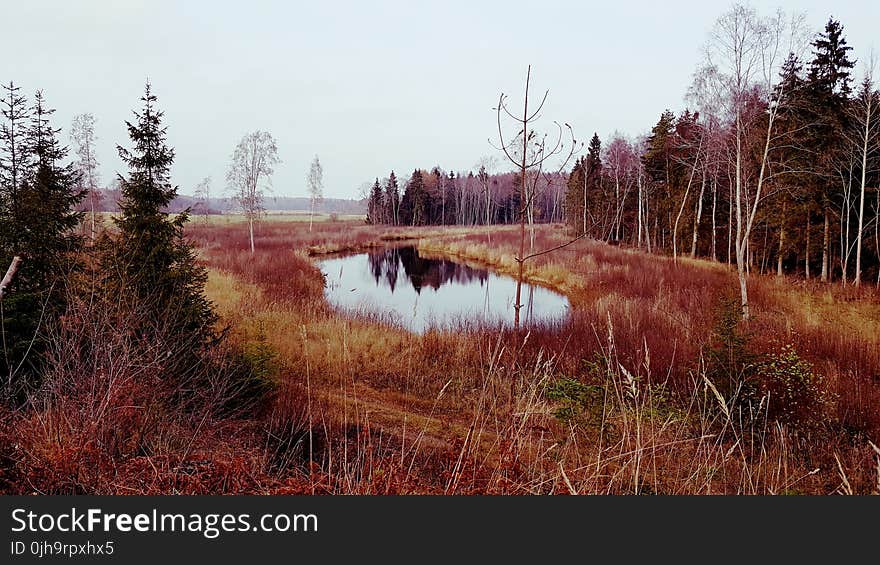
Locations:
{"points": [[420, 292]]}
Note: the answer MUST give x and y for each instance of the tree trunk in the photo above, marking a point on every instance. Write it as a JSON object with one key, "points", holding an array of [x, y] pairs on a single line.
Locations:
{"points": [[251, 232], [866, 138], [697, 216], [522, 216], [585, 200], [781, 241], [826, 244], [687, 191], [807, 250], [730, 227], [714, 227], [639, 211]]}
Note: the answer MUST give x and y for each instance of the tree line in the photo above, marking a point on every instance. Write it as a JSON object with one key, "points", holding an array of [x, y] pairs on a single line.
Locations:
{"points": [[773, 167], [466, 198]]}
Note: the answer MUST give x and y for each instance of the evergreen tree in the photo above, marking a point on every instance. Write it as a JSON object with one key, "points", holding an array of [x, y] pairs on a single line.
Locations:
{"points": [[15, 157], [575, 210], [376, 205], [795, 205], [392, 199], [658, 163], [150, 258], [416, 203], [39, 226], [585, 179], [828, 82]]}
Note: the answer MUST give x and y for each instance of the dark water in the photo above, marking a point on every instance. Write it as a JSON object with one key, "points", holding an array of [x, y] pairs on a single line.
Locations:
{"points": [[420, 293]]}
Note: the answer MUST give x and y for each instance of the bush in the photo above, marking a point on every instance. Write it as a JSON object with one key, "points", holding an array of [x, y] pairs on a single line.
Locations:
{"points": [[573, 399], [796, 395]]}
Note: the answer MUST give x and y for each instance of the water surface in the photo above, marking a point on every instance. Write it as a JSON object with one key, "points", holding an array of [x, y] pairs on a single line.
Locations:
{"points": [[420, 292]]}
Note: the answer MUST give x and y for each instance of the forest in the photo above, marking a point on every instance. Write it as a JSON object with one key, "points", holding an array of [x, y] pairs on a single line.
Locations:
{"points": [[794, 157]]}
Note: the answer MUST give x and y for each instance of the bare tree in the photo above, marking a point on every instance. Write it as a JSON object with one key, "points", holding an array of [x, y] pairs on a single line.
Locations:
{"points": [[742, 59], [250, 174], [530, 151], [82, 135], [486, 167], [315, 181], [866, 119], [203, 196]]}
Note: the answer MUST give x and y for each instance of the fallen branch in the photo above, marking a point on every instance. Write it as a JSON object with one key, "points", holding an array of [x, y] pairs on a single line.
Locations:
{"points": [[10, 273]]}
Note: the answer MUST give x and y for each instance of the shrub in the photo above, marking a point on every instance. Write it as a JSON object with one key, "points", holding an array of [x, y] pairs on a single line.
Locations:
{"points": [[797, 397], [573, 399]]}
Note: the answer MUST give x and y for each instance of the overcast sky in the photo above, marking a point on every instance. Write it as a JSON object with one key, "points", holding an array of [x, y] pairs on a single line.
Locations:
{"points": [[367, 86]]}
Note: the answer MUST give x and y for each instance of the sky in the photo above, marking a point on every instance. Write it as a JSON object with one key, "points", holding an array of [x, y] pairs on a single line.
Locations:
{"points": [[367, 86]]}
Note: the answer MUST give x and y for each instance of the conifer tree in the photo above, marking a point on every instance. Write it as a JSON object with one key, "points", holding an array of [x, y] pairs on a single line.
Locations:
{"points": [[392, 200], [150, 258], [375, 205], [415, 204], [38, 226], [829, 87]]}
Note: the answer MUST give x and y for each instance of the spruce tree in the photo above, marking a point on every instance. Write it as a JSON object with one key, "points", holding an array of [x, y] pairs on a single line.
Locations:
{"points": [[392, 199], [828, 83], [150, 258], [574, 196], [375, 205], [415, 204], [39, 222]]}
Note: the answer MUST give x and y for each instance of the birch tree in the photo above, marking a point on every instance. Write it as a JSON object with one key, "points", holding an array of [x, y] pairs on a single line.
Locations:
{"points": [[82, 136], [743, 55], [250, 175], [203, 196], [866, 140], [315, 182]]}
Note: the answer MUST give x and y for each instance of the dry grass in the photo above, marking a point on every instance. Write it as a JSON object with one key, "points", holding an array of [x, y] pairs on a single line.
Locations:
{"points": [[447, 412], [616, 399]]}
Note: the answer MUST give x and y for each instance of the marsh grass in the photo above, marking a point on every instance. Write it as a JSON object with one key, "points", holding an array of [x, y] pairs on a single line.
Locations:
{"points": [[619, 398]]}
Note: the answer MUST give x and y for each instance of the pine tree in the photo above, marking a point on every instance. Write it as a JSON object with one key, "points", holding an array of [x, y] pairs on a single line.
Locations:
{"points": [[150, 258]]}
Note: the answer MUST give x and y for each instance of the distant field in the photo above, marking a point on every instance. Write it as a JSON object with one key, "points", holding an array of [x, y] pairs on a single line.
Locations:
{"points": [[273, 216], [282, 216]]}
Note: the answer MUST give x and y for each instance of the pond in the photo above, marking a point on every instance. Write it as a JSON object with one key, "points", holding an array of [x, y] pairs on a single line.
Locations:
{"points": [[419, 292]]}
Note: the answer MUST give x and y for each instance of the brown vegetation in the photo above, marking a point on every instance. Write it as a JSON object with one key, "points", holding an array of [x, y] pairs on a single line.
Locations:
{"points": [[620, 398]]}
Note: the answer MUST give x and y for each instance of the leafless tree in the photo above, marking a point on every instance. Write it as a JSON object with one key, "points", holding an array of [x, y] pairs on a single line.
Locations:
{"points": [[742, 59], [315, 181], [865, 139], [529, 152], [203, 196], [486, 167], [250, 174], [82, 135]]}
